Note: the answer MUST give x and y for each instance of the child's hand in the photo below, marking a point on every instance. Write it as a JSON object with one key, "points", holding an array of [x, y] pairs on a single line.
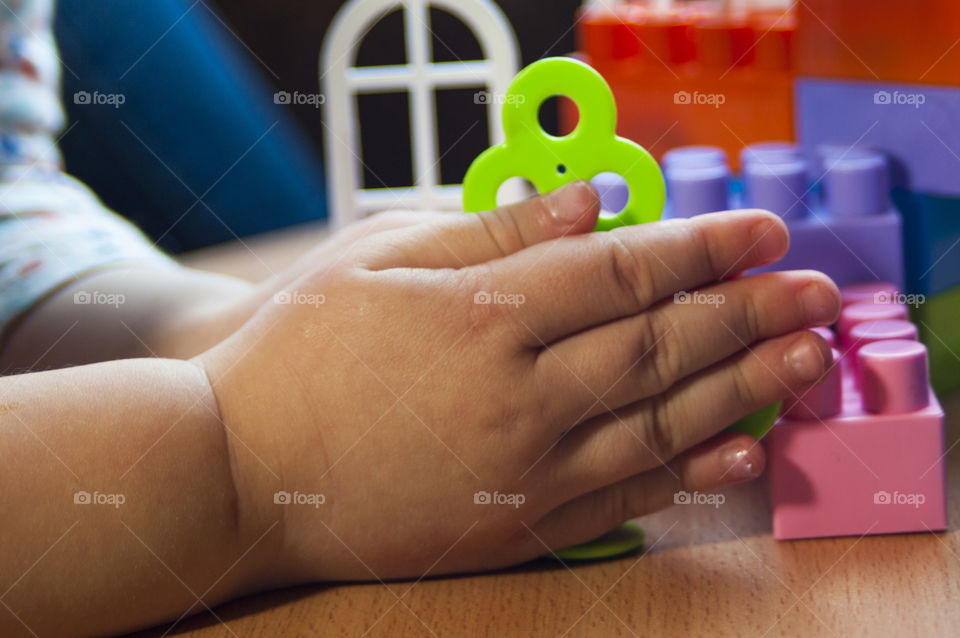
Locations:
{"points": [[510, 352]]}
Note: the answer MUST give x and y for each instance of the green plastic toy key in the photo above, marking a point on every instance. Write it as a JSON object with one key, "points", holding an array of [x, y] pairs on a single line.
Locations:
{"points": [[548, 162]]}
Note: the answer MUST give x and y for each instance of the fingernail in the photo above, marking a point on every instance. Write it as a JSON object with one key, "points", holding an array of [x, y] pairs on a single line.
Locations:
{"points": [[770, 241], [819, 303], [739, 465], [806, 360], [571, 202]]}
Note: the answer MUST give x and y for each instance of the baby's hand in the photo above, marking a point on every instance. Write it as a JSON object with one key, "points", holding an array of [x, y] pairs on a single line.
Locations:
{"points": [[578, 379]]}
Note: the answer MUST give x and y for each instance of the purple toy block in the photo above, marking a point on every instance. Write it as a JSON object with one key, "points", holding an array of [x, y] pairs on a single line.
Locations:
{"points": [[694, 156], [916, 126], [698, 181], [848, 250], [863, 452], [780, 187], [855, 235], [856, 186], [694, 190], [769, 153]]}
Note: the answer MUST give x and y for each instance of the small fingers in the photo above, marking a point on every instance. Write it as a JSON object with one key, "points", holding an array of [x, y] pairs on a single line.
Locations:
{"points": [[460, 240], [652, 432], [721, 461], [576, 283], [628, 360]]}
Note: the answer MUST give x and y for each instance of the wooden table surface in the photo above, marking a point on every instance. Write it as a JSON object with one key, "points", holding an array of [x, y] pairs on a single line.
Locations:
{"points": [[705, 572]]}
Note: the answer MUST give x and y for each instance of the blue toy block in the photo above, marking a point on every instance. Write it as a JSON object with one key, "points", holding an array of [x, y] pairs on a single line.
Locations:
{"points": [[931, 236], [916, 126]]}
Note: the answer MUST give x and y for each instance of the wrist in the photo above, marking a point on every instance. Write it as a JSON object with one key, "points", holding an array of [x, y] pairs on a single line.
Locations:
{"points": [[254, 467]]}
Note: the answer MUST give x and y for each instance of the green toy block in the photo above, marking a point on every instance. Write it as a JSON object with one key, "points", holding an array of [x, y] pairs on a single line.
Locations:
{"points": [[938, 319]]}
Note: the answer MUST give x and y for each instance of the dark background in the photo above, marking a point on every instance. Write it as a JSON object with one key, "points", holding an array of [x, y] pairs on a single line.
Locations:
{"points": [[200, 153], [287, 36]]}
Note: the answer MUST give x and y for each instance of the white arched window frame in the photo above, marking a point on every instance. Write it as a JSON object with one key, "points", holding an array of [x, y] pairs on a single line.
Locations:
{"points": [[419, 78]]}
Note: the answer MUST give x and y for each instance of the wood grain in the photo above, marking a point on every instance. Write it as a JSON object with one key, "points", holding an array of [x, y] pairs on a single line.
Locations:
{"points": [[705, 572]]}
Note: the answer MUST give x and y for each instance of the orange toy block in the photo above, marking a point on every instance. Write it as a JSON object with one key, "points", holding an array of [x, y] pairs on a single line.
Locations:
{"points": [[880, 40], [693, 75]]}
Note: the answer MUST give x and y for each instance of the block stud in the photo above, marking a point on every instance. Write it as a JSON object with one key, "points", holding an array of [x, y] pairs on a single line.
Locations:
{"points": [[856, 186], [694, 190], [780, 187], [869, 292], [893, 376], [862, 312], [769, 153]]}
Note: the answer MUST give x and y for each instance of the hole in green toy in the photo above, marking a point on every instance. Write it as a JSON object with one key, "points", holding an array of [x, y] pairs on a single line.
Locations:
{"points": [[558, 115], [515, 189], [561, 168], [614, 193]]}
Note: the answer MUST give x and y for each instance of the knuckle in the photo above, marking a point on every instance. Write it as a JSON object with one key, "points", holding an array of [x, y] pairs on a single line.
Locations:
{"points": [[630, 273], [665, 355], [502, 229], [745, 393], [658, 436], [702, 247], [749, 322]]}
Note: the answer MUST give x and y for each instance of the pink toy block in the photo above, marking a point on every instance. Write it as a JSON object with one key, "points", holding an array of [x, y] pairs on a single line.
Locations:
{"points": [[855, 314], [863, 452], [868, 291]]}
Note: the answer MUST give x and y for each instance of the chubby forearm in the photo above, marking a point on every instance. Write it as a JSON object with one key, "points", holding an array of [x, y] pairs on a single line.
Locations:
{"points": [[119, 504], [149, 310]]}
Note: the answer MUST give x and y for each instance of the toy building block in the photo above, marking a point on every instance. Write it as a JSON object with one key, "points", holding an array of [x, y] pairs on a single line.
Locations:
{"points": [[698, 180], [868, 291], [931, 236], [882, 39], [852, 235], [913, 124], [939, 329], [863, 452], [693, 74]]}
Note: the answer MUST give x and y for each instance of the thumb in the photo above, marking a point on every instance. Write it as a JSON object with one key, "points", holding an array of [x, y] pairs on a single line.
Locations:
{"points": [[456, 241]]}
